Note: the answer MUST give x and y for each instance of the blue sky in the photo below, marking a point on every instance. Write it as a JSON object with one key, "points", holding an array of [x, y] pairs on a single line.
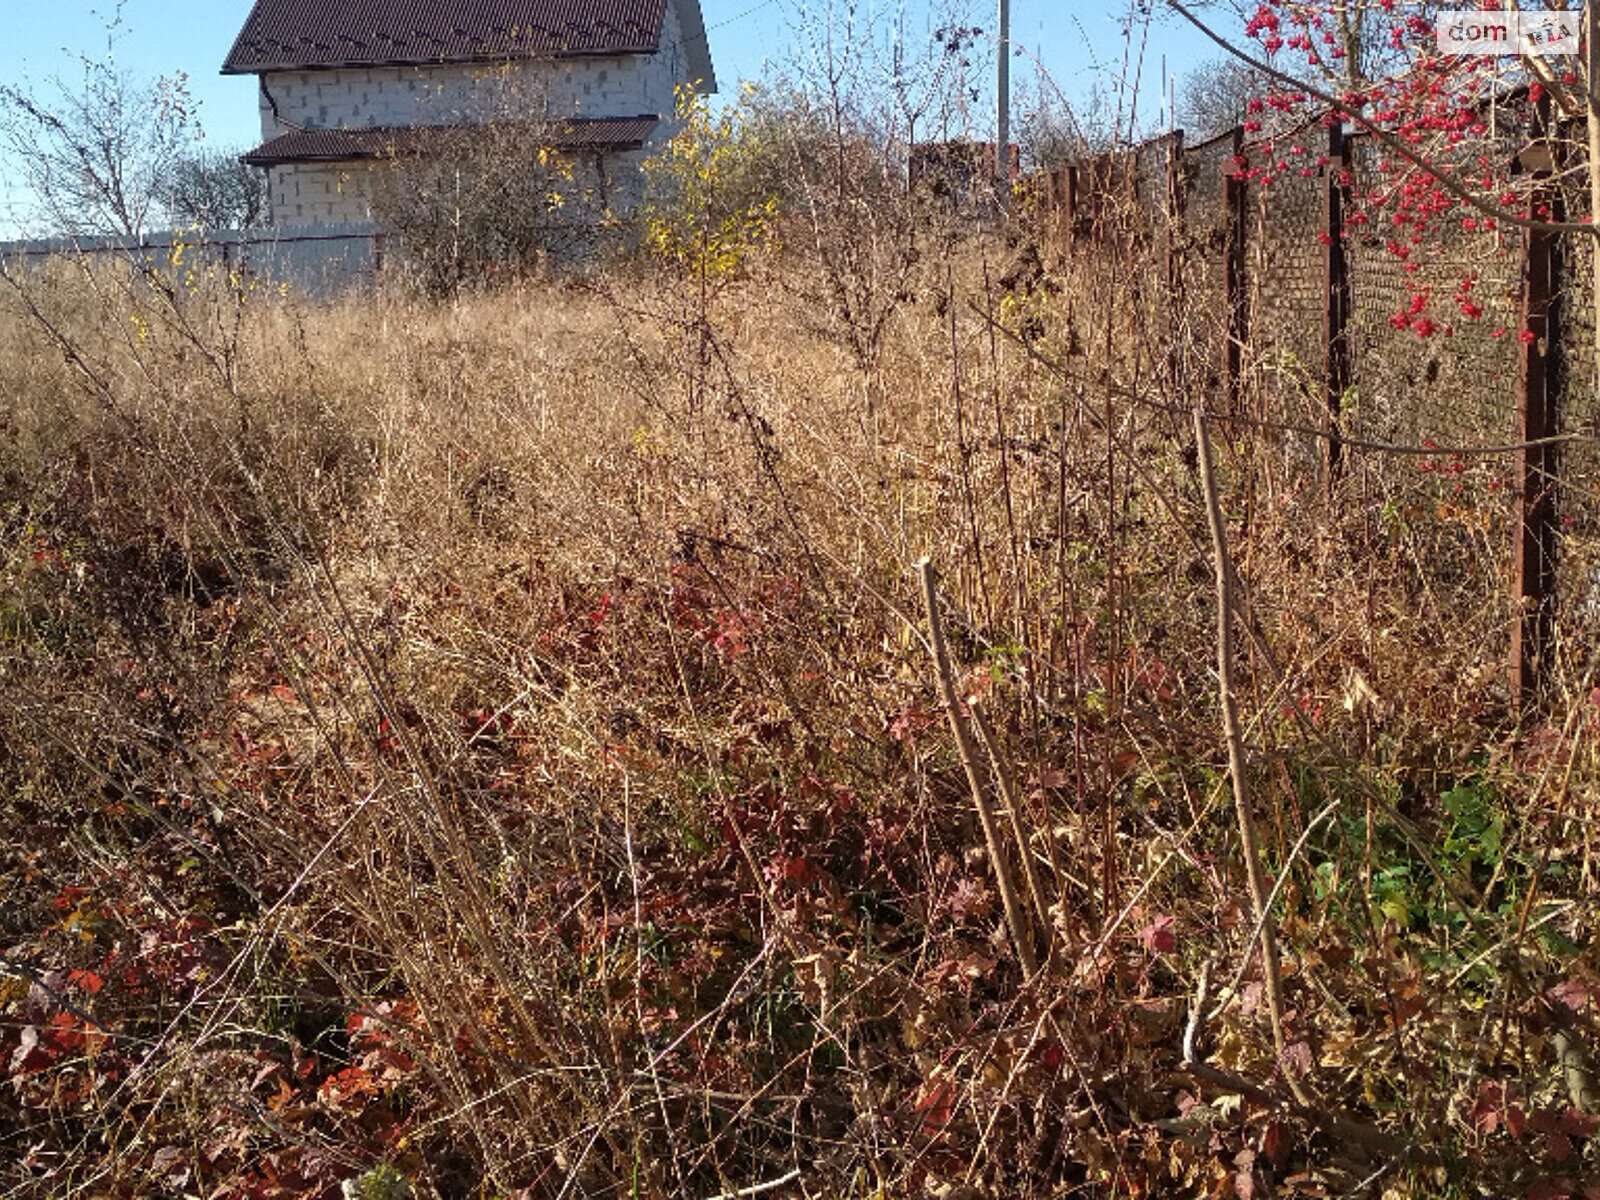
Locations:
{"points": [[1075, 41]]}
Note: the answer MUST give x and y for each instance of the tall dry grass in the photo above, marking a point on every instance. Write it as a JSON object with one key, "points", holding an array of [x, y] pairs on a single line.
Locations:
{"points": [[493, 745]]}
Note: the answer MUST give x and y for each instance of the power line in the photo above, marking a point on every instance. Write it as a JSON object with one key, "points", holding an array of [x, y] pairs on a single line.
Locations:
{"points": [[749, 12]]}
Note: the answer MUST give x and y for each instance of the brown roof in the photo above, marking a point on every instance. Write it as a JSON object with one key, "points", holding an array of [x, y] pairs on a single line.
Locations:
{"points": [[284, 35], [342, 145]]}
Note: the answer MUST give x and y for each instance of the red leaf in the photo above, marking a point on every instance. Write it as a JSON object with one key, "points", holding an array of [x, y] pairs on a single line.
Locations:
{"points": [[1158, 937], [936, 1102], [799, 869], [88, 981], [64, 1033], [1275, 1143], [169, 1165], [303, 1064], [1579, 1124], [268, 1069], [1486, 1109], [387, 1063], [346, 1085], [282, 1094], [1571, 994]]}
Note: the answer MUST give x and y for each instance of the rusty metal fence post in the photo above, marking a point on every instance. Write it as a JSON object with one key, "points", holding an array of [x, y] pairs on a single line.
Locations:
{"points": [[1235, 325], [1069, 201], [1337, 361], [1534, 484], [1176, 194]]}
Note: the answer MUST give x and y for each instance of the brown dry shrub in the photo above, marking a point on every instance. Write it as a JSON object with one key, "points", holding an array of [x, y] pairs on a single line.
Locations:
{"points": [[495, 740]]}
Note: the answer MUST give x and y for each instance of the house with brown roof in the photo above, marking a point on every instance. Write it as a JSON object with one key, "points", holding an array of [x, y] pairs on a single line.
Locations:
{"points": [[348, 85]]}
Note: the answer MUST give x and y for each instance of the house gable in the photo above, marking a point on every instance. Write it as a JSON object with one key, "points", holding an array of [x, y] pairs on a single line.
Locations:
{"points": [[344, 84], [289, 35]]}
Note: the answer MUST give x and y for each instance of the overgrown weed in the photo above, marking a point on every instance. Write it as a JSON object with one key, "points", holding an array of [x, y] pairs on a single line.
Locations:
{"points": [[492, 744]]}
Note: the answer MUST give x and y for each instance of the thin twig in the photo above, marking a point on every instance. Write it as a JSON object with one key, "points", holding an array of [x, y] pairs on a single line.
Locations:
{"points": [[1008, 797], [1016, 920], [1405, 449], [1561, 909], [1191, 1031], [1271, 970], [1460, 887], [755, 1189], [1283, 878]]}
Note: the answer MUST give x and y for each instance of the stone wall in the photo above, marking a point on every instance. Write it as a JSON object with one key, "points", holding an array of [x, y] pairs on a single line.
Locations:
{"points": [[1452, 381], [1202, 238], [1457, 383]]}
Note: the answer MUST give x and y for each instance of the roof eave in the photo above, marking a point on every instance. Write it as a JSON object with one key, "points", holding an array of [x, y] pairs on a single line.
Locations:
{"points": [[452, 61], [697, 48], [377, 153], [267, 162]]}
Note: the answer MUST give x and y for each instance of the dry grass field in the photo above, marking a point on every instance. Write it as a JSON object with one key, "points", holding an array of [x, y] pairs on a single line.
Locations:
{"points": [[490, 747]]}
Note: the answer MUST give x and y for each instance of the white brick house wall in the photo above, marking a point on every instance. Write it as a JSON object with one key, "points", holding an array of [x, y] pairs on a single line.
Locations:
{"points": [[453, 94], [321, 193], [341, 193]]}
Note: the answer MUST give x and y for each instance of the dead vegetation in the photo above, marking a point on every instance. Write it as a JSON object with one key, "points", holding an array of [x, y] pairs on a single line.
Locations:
{"points": [[492, 748]]}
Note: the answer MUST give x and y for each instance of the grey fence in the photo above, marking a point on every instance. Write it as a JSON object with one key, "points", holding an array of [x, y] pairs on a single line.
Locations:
{"points": [[313, 259]]}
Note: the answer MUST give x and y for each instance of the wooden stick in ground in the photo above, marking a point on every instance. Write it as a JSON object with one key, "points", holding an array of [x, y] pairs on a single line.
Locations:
{"points": [[1271, 971], [1016, 919], [1008, 797]]}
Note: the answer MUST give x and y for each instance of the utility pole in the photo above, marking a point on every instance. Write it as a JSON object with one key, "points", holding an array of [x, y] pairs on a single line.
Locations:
{"points": [[1002, 131]]}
